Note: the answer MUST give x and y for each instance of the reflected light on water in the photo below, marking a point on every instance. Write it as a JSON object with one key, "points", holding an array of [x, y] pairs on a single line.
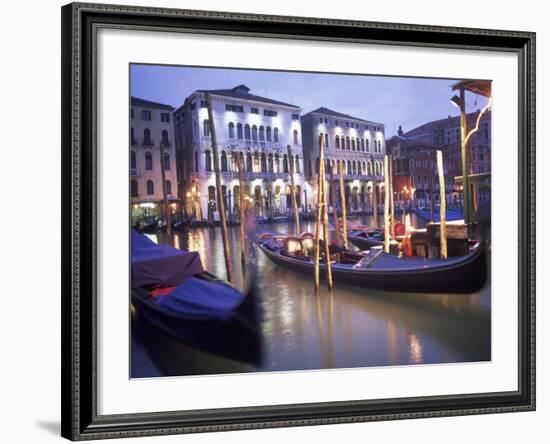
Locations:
{"points": [[415, 349], [348, 327]]}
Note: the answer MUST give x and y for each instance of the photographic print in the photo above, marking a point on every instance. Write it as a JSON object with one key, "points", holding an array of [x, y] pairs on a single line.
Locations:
{"points": [[287, 221]]}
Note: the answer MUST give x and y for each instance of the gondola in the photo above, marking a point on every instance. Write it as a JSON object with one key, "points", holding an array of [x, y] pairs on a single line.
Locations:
{"points": [[365, 239], [147, 226], [172, 291], [381, 271], [181, 225]]}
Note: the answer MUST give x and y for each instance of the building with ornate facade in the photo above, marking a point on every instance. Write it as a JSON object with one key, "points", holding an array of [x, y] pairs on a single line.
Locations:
{"points": [[358, 144], [152, 131], [257, 129]]}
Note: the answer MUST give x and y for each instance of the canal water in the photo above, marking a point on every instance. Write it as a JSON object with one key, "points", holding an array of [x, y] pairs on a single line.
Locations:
{"points": [[348, 327]]}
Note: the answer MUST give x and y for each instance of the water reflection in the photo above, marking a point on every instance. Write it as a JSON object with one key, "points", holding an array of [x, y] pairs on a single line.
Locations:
{"points": [[304, 329]]}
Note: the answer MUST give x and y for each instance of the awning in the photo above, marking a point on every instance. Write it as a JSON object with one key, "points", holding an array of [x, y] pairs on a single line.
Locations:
{"points": [[482, 87]]}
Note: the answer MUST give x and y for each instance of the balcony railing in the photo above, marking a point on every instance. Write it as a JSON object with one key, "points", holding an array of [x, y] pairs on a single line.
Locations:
{"points": [[147, 142], [247, 175], [135, 172]]}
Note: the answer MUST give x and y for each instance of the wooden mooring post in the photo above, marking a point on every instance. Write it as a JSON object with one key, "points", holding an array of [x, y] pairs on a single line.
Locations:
{"points": [[386, 205], [322, 221], [293, 190], [343, 203], [442, 205], [221, 203]]}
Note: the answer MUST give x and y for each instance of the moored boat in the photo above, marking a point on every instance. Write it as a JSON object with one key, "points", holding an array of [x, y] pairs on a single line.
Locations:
{"points": [[172, 291], [381, 271], [365, 239]]}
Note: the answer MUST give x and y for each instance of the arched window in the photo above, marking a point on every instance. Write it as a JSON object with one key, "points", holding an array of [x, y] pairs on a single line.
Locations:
{"points": [[337, 142], [348, 146], [353, 144], [256, 167], [147, 137], [317, 164], [239, 131], [168, 187], [379, 146], [133, 162], [231, 130], [367, 145], [196, 161], [263, 163], [224, 161], [247, 131], [285, 164], [295, 137], [358, 144], [297, 165], [254, 132], [277, 166], [132, 137], [206, 128], [212, 197], [262, 134], [148, 161], [270, 163], [249, 162], [362, 144], [150, 188], [166, 162], [207, 161], [165, 140], [134, 188], [268, 133], [350, 170], [275, 134], [326, 140], [359, 168]]}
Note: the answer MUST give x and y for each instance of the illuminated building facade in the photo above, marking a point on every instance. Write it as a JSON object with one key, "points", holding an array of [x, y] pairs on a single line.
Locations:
{"points": [[151, 125], [257, 129], [358, 144], [415, 164]]}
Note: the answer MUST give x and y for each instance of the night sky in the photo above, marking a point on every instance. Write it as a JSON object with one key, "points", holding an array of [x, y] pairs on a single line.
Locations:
{"points": [[393, 101]]}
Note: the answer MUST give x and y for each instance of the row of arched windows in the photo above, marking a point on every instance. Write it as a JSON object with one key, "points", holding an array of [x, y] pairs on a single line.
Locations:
{"points": [[354, 144], [150, 188], [253, 132], [146, 140], [256, 162], [148, 155], [355, 167]]}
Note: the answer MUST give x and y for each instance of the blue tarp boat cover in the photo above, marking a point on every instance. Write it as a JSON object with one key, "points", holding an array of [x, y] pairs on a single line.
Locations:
{"points": [[161, 265], [197, 297]]}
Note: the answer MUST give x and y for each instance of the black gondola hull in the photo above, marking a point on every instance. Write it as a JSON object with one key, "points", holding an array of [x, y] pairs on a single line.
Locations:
{"points": [[364, 243], [467, 275], [235, 336]]}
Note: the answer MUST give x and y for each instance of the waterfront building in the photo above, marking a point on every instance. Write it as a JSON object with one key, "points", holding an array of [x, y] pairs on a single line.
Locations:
{"points": [[415, 166], [260, 130], [358, 144], [152, 131]]}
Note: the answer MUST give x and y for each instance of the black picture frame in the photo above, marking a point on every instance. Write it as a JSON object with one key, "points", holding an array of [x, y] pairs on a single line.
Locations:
{"points": [[79, 207]]}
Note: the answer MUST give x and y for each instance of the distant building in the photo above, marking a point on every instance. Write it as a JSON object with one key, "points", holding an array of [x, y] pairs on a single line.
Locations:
{"points": [[256, 128], [414, 159], [152, 125], [358, 144]]}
